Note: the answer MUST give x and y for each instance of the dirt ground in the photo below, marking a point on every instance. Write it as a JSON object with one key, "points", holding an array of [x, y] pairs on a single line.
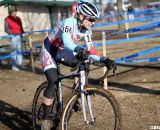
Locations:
{"points": [[135, 86]]}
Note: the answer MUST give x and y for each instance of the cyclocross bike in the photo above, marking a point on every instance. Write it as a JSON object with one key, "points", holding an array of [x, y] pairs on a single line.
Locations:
{"points": [[90, 108]]}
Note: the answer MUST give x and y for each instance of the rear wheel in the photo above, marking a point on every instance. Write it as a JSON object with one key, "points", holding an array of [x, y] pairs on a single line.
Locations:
{"points": [[105, 109], [37, 108]]}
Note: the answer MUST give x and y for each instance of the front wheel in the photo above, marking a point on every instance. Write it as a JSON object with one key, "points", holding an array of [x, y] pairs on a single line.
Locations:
{"points": [[105, 108]]}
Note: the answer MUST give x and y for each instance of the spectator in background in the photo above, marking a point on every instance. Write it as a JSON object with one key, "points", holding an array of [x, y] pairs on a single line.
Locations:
{"points": [[13, 26], [109, 13], [74, 4], [130, 12]]}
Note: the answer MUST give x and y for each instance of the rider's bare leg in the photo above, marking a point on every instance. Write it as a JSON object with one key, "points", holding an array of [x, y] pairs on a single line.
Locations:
{"points": [[47, 103]]}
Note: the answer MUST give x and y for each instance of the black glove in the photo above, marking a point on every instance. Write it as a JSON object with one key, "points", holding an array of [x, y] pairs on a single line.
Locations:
{"points": [[110, 64], [81, 53]]}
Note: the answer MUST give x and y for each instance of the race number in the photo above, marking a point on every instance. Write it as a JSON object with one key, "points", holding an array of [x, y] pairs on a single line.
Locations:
{"points": [[67, 29]]}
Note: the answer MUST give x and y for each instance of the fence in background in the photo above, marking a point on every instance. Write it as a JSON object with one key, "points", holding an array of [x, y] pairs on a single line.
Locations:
{"points": [[126, 59]]}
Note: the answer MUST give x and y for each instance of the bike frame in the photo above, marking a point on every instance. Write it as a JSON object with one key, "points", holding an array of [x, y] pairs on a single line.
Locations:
{"points": [[59, 95], [80, 85]]}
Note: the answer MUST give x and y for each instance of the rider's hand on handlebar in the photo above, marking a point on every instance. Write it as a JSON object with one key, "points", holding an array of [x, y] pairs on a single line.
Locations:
{"points": [[82, 54], [110, 64]]}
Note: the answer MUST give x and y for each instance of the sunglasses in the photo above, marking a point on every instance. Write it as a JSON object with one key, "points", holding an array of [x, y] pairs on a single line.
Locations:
{"points": [[91, 20]]}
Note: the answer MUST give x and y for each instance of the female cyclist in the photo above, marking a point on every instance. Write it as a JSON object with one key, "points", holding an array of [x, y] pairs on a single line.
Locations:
{"points": [[62, 44]]}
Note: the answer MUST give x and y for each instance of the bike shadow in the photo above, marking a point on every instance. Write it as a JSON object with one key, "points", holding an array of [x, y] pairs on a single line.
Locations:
{"points": [[132, 88], [124, 87], [14, 118]]}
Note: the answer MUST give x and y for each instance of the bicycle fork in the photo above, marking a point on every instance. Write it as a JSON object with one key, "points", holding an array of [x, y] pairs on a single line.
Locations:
{"points": [[82, 84]]}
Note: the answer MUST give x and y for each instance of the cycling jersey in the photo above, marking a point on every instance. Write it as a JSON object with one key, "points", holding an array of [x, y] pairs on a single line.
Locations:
{"points": [[69, 34], [67, 37]]}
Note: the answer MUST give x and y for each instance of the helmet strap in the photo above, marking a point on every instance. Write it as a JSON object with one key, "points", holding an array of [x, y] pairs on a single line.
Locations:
{"points": [[80, 23]]}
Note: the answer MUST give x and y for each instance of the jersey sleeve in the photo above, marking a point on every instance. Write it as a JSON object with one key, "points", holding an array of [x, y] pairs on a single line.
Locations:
{"points": [[88, 41], [67, 33]]}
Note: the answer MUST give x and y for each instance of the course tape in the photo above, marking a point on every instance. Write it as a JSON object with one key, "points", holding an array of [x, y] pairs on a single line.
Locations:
{"points": [[142, 53], [145, 12], [127, 40], [125, 59], [133, 39], [147, 18], [96, 25], [11, 55], [153, 59], [10, 36], [4, 37], [139, 28], [129, 59], [40, 31]]}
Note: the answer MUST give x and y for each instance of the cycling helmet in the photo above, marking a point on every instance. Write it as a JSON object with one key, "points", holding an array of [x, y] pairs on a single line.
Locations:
{"points": [[88, 9]]}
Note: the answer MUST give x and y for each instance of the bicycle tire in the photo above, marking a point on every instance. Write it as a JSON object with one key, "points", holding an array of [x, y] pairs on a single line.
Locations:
{"points": [[37, 109], [72, 120]]}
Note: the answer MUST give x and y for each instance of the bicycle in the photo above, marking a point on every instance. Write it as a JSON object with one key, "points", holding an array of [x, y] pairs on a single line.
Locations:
{"points": [[86, 102]]}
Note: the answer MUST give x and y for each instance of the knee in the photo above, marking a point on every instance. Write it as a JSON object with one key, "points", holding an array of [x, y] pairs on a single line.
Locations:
{"points": [[52, 77]]}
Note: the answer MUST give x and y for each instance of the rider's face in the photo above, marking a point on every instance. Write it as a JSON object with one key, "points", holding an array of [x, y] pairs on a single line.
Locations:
{"points": [[87, 23]]}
